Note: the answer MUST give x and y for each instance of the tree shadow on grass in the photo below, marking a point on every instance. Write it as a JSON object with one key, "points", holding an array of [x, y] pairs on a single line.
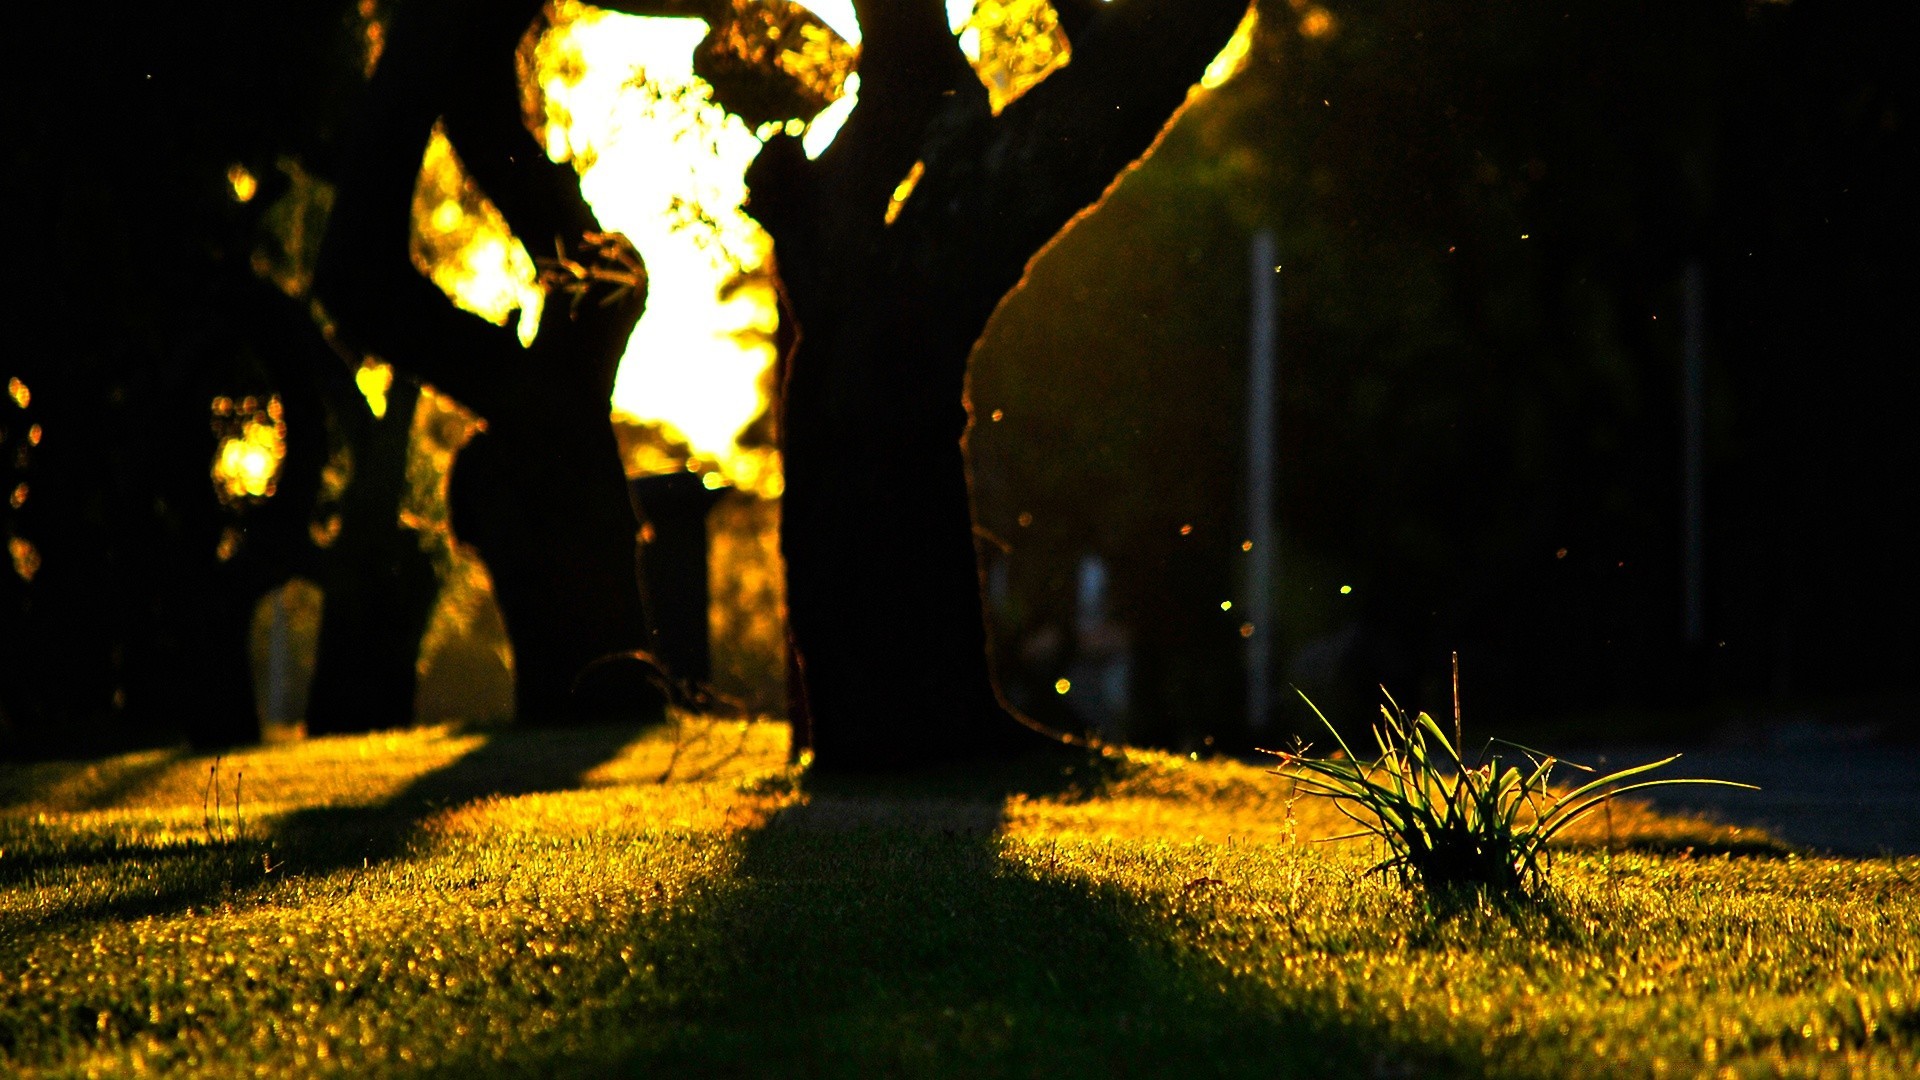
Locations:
{"points": [[96, 785], [866, 933], [90, 879]]}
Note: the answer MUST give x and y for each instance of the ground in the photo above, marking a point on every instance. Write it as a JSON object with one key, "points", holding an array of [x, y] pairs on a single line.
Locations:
{"points": [[616, 902]]}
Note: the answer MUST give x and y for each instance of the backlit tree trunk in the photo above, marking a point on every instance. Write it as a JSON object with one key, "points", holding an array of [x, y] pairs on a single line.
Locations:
{"points": [[378, 583], [884, 589], [541, 494]]}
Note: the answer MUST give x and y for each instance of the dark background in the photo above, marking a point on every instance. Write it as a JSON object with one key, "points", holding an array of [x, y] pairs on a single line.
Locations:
{"points": [[1458, 405]]}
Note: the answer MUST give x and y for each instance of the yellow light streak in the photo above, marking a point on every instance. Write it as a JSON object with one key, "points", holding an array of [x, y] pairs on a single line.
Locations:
{"points": [[821, 133], [1232, 59], [904, 190]]}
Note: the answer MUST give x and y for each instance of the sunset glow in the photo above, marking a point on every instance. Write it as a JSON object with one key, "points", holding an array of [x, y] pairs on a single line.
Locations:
{"points": [[662, 163]]}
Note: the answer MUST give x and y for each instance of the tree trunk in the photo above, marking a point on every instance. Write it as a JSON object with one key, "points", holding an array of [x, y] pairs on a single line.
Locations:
{"points": [[541, 494], [883, 581], [379, 588], [544, 500], [876, 528]]}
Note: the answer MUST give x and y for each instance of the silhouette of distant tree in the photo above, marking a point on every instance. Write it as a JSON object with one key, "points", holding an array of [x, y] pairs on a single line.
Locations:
{"points": [[125, 133]]}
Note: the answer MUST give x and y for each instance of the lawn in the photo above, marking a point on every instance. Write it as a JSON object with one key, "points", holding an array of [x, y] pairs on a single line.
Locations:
{"points": [[681, 901]]}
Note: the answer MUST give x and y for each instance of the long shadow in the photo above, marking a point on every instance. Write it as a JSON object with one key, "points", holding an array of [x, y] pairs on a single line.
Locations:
{"points": [[124, 878], [121, 780], [869, 933]]}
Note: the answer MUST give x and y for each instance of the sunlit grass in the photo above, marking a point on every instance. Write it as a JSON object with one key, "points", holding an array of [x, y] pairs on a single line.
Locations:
{"points": [[685, 902], [1451, 825]]}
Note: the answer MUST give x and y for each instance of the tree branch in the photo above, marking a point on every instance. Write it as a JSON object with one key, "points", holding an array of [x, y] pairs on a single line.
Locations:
{"points": [[1057, 150], [539, 198], [911, 71], [365, 276]]}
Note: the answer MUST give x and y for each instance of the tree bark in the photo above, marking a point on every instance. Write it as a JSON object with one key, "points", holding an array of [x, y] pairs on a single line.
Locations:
{"points": [[884, 587]]}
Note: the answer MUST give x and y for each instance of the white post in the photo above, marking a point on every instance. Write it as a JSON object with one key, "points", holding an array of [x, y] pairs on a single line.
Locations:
{"points": [[1262, 413], [1693, 467]]}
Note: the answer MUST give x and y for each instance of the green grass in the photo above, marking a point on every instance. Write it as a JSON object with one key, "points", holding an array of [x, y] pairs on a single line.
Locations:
{"points": [[682, 903], [1451, 826]]}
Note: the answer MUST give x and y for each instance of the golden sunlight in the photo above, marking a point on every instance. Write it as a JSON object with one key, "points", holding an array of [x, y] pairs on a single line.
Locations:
{"points": [[664, 164], [374, 379], [253, 440], [1013, 44], [1232, 59], [462, 244]]}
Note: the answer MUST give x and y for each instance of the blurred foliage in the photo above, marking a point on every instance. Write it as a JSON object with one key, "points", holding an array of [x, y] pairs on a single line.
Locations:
{"points": [[1484, 212], [460, 242]]}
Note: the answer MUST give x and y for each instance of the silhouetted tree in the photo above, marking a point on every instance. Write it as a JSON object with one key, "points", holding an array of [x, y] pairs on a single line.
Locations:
{"points": [[884, 587], [541, 494], [133, 625]]}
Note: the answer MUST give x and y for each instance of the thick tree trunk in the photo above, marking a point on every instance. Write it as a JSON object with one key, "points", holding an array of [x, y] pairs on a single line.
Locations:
{"points": [[541, 494], [544, 500], [883, 579], [379, 588]]}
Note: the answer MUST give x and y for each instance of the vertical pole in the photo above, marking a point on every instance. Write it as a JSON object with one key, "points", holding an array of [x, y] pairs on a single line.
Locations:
{"points": [[1693, 467], [1262, 392]]}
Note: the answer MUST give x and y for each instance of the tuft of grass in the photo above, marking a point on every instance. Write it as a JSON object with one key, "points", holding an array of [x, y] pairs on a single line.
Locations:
{"points": [[1453, 827]]}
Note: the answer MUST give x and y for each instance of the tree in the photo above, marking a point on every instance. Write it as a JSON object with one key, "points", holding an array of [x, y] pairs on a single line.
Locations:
{"points": [[541, 493], [133, 584], [890, 295]]}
